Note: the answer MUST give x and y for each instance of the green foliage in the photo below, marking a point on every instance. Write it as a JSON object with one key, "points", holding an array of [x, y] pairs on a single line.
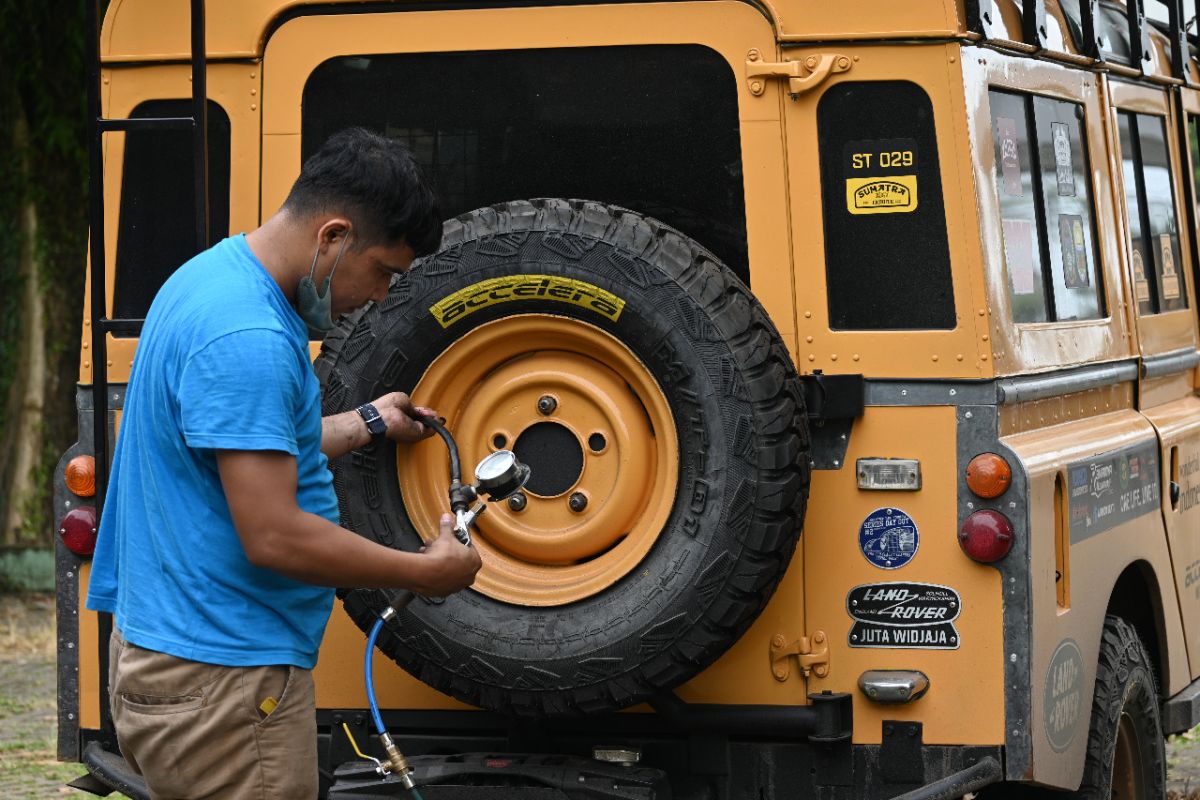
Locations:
{"points": [[27, 570], [43, 82]]}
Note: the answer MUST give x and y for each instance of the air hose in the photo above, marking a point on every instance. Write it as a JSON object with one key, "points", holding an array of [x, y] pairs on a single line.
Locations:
{"points": [[499, 476]]}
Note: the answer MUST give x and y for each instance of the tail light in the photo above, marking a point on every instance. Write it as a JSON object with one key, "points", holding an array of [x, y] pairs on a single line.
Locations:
{"points": [[988, 475], [78, 530], [986, 536], [81, 476]]}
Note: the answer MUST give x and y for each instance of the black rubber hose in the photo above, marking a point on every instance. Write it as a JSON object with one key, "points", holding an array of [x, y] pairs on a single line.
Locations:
{"points": [[451, 445]]}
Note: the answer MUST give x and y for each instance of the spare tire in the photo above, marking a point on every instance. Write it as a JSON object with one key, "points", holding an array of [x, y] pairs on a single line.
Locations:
{"points": [[664, 424]]}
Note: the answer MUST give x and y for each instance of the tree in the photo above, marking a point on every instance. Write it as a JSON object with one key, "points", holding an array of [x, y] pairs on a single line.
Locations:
{"points": [[43, 240]]}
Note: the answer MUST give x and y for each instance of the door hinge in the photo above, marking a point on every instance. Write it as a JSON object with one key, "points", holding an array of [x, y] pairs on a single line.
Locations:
{"points": [[811, 652], [802, 75]]}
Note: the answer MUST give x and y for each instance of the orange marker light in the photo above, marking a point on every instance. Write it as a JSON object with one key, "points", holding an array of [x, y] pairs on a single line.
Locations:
{"points": [[988, 475], [81, 475]]}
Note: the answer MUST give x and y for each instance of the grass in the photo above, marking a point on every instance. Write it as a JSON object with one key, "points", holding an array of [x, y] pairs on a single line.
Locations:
{"points": [[28, 765]]}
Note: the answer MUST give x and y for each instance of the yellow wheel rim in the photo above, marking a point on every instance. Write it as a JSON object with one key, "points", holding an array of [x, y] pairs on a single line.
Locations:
{"points": [[488, 385]]}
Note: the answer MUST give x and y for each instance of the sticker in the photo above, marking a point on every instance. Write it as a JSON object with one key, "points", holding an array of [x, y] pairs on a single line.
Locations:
{"points": [[881, 176], [1062, 701], [1010, 159], [915, 616], [1189, 482], [1141, 286], [1112, 488], [1170, 278], [1018, 254], [889, 538], [1063, 168], [881, 195], [1076, 274], [525, 287]]}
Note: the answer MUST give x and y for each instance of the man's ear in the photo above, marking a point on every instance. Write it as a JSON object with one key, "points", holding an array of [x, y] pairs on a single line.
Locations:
{"points": [[332, 232]]}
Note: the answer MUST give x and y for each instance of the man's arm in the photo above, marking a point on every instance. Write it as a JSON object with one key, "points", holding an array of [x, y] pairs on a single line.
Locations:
{"points": [[341, 433], [260, 487]]}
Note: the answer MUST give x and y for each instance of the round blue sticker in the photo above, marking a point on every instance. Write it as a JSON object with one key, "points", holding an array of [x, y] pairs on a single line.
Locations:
{"points": [[889, 538]]}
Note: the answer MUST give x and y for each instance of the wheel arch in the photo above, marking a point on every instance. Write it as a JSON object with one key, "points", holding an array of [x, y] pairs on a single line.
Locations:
{"points": [[1136, 584]]}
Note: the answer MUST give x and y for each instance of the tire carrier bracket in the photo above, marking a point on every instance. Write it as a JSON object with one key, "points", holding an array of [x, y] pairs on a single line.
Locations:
{"points": [[812, 654]]}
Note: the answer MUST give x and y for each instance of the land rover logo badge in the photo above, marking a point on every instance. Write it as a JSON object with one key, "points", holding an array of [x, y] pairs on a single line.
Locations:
{"points": [[917, 616], [889, 538], [1063, 697]]}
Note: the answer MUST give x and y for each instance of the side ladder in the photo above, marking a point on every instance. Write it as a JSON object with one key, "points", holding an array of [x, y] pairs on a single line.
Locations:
{"points": [[101, 324]]}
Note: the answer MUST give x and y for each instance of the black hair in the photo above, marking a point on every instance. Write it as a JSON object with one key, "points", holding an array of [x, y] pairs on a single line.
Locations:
{"points": [[375, 181]]}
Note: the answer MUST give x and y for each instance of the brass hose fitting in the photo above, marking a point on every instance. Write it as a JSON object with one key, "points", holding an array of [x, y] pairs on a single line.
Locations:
{"points": [[396, 763]]}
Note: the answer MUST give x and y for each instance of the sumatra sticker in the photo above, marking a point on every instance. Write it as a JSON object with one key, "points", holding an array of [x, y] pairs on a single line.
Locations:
{"points": [[1018, 254], [1062, 700], [1170, 278], [1113, 488], [1010, 159], [881, 176], [1141, 286], [526, 287], [914, 616], [1063, 169], [889, 538], [1076, 272], [881, 195]]}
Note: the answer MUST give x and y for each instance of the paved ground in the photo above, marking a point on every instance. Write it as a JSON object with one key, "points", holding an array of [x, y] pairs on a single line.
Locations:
{"points": [[29, 771], [28, 768]]}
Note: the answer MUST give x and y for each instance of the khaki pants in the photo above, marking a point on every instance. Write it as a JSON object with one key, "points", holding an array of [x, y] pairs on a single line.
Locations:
{"points": [[196, 732]]}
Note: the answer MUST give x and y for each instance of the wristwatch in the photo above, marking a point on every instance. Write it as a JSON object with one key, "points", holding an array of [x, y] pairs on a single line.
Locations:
{"points": [[375, 424]]}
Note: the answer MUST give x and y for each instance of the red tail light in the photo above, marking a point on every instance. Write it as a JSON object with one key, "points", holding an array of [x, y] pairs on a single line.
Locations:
{"points": [[78, 530], [986, 536]]}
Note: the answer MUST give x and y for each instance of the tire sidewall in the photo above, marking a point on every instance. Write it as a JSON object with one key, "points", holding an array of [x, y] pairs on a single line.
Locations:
{"points": [[669, 605]]}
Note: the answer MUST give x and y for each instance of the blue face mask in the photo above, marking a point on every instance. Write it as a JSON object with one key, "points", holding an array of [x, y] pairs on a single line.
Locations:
{"points": [[314, 307]]}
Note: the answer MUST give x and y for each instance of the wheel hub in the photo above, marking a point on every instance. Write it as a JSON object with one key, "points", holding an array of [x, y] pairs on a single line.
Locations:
{"points": [[586, 415]]}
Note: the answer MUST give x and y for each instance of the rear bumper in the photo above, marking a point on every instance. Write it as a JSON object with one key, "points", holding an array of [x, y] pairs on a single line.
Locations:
{"points": [[1182, 712]]}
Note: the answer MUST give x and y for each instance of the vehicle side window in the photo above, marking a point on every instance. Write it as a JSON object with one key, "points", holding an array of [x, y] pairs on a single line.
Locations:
{"points": [[157, 229], [1158, 276], [1046, 212], [887, 256]]}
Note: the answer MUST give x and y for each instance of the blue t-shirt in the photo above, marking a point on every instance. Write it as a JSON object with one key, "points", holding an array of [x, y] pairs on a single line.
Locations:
{"points": [[223, 363]]}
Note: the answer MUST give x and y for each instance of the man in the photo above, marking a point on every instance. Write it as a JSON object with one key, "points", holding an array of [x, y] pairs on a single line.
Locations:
{"points": [[220, 529]]}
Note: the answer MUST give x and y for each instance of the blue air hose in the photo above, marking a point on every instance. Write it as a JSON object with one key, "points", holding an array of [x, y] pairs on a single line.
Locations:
{"points": [[370, 676]]}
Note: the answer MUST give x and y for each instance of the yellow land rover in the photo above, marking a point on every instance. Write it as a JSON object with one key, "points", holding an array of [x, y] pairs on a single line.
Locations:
{"points": [[852, 347]]}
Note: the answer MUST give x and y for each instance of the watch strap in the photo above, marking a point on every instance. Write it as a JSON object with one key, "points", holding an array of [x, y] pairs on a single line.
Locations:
{"points": [[375, 424]]}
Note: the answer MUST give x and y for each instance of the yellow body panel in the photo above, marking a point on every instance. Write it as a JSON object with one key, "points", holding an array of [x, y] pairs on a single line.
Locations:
{"points": [[836, 509]]}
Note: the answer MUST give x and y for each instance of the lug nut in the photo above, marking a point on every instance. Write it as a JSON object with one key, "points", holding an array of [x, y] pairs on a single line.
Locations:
{"points": [[547, 404], [578, 502], [517, 502]]}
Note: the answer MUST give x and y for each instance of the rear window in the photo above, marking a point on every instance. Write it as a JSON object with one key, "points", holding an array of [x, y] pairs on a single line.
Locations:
{"points": [[654, 129], [1047, 220], [157, 229], [887, 258], [1156, 262]]}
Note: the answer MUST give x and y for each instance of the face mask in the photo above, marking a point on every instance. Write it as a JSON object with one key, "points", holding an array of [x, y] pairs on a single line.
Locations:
{"points": [[313, 306]]}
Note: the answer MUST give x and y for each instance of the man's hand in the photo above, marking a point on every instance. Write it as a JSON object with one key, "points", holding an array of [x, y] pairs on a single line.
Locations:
{"points": [[398, 411], [341, 433], [449, 565]]}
